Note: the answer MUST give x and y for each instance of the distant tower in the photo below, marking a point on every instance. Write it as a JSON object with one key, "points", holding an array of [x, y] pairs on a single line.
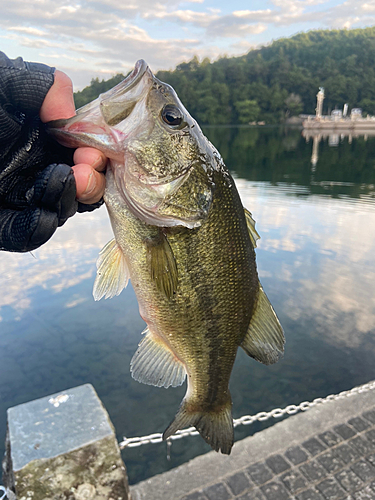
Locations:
{"points": [[319, 102], [345, 111]]}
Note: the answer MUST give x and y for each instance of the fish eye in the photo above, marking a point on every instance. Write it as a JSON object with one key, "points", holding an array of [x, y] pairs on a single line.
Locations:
{"points": [[173, 116]]}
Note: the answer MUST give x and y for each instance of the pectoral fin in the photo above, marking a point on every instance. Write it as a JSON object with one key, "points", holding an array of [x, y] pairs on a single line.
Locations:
{"points": [[155, 364], [112, 273], [254, 236], [264, 340], [163, 267]]}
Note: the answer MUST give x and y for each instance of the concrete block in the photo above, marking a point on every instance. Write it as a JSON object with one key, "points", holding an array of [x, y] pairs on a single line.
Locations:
{"points": [[217, 492], [238, 483], [330, 489], [275, 491], [296, 455], [259, 473], [64, 447]]}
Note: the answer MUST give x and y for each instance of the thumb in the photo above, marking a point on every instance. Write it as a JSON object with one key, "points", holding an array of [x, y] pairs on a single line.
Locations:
{"points": [[59, 101]]}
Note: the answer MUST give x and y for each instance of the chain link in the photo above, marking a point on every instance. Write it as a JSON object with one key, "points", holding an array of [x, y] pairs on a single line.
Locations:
{"points": [[250, 419]]}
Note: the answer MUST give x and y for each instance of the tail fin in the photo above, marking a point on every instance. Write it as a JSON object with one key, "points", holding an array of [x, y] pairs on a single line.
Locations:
{"points": [[215, 427]]}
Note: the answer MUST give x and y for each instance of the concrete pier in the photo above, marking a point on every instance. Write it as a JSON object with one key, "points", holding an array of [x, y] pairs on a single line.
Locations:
{"points": [[63, 447], [325, 453]]}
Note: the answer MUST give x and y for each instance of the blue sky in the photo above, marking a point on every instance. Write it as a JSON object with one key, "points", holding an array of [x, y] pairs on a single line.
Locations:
{"points": [[99, 38]]}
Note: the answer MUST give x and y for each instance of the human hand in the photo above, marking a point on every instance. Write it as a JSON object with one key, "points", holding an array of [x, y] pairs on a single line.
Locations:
{"points": [[89, 162], [37, 185]]}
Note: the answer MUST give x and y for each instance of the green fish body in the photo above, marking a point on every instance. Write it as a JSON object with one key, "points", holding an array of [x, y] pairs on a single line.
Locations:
{"points": [[195, 279]]}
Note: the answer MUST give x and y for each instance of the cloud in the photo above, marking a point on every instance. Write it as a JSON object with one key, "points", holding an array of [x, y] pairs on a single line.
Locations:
{"points": [[233, 27], [134, 8], [57, 265], [252, 14], [103, 37], [368, 7], [201, 19], [239, 24], [340, 291], [34, 43], [28, 30]]}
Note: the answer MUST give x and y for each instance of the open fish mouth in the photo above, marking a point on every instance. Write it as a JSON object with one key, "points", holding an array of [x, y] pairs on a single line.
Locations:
{"points": [[93, 124], [117, 96], [128, 123], [120, 89]]}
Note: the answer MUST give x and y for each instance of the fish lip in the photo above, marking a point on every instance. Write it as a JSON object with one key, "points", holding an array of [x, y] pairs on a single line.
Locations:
{"points": [[128, 83]]}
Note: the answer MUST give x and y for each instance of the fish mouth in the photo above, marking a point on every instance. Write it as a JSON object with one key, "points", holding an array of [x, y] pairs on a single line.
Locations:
{"points": [[93, 123], [121, 88]]}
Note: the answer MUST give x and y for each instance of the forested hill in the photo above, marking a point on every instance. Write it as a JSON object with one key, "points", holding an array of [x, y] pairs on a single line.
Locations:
{"points": [[275, 81]]}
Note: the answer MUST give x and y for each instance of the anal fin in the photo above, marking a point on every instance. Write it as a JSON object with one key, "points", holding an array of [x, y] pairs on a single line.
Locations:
{"points": [[112, 273], [155, 364], [264, 340]]}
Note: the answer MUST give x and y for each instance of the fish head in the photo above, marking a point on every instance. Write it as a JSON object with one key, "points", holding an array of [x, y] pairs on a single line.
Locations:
{"points": [[162, 163]]}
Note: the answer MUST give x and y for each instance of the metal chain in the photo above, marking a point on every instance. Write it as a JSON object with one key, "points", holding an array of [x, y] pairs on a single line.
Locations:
{"points": [[7, 494], [250, 419]]}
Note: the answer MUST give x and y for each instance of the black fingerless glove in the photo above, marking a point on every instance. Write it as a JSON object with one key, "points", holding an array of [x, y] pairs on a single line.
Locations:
{"points": [[37, 186]]}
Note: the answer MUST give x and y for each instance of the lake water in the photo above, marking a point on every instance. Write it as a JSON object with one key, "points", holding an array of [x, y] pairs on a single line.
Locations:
{"points": [[316, 262]]}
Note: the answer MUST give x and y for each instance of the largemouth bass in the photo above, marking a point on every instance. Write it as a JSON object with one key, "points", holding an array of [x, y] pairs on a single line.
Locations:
{"points": [[184, 239]]}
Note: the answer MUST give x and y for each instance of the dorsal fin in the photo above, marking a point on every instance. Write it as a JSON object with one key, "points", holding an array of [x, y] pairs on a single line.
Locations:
{"points": [[264, 340], [250, 222], [112, 273]]}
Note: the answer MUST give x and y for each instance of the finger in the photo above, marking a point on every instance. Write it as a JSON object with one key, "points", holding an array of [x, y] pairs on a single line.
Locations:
{"points": [[23, 231], [59, 101], [90, 183], [55, 190], [90, 156]]}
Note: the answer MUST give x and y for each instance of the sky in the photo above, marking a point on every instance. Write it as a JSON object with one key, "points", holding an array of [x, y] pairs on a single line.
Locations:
{"points": [[100, 38]]}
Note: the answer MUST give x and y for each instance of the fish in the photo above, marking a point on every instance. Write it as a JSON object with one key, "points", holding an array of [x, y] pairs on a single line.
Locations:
{"points": [[184, 239]]}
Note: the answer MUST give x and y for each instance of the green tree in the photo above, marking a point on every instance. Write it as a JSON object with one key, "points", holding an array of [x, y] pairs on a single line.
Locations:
{"points": [[368, 106], [293, 104], [264, 80], [247, 110]]}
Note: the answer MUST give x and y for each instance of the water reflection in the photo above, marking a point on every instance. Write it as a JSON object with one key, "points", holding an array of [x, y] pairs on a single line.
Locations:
{"points": [[331, 275], [315, 261], [282, 155], [333, 137]]}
